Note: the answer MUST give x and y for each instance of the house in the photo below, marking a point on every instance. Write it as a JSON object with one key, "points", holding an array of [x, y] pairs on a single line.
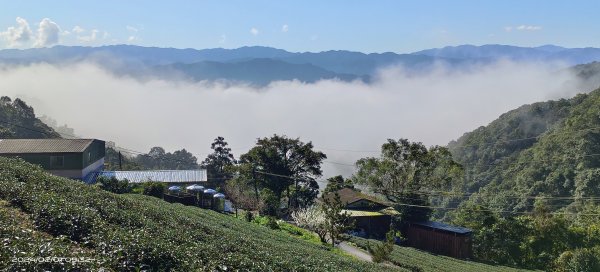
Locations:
{"points": [[70, 158], [440, 238], [172, 177], [370, 216]]}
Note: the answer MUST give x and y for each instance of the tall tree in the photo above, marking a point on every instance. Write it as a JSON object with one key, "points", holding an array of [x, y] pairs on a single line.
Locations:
{"points": [[406, 172], [218, 163], [281, 164], [158, 158], [337, 183]]}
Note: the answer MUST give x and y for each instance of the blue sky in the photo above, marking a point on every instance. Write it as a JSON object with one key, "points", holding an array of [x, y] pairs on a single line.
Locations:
{"points": [[367, 26]]}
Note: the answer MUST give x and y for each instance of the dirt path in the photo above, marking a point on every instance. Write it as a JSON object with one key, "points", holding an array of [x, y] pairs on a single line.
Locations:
{"points": [[354, 251]]}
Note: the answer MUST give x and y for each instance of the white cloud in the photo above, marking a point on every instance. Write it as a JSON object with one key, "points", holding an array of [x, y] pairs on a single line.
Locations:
{"points": [[284, 28], [90, 38], [223, 38], [132, 39], [522, 28], [131, 28], [529, 27], [78, 30], [449, 102], [105, 35], [47, 33], [17, 35], [254, 31]]}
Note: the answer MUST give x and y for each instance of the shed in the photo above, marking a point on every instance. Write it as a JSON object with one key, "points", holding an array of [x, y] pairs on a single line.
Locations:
{"points": [[70, 158], [440, 238]]}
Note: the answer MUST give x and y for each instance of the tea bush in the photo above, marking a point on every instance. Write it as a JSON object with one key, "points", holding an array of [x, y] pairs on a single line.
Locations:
{"points": [[130, 232]]}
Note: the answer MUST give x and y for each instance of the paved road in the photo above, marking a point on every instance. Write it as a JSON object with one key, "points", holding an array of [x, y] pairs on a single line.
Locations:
{"points": [[354, 251]]}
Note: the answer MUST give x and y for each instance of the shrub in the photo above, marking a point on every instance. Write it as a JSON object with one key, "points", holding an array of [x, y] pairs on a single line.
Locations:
{"points": [[581, 259], [269, 203], [248, 216], [154, 188], [381, 252], [114, 185]]}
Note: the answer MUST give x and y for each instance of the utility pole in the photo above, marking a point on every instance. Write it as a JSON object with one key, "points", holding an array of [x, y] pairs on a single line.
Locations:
{"points": [[120, 161]]}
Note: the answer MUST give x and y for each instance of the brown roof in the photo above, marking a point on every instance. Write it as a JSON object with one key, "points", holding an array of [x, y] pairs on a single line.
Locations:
{"points": [[348, 196], [23, 146]]}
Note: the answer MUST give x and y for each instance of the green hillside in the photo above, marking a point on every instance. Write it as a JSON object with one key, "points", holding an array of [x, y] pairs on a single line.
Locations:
{"points": [[43, 215], [548, 149], [17, 120]]}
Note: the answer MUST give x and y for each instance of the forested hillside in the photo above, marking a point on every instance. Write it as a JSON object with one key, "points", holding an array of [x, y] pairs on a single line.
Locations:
{"points": [[17, 120], [549, 150]]}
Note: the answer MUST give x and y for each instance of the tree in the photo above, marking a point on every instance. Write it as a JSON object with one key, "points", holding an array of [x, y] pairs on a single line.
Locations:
{"points": [[113, 184], [158, 158], [283, 165], [381, 251], [154, 188], [219, 162], [336, 221], [337, 183], [240, 195], [406, 172], [313, 219]]}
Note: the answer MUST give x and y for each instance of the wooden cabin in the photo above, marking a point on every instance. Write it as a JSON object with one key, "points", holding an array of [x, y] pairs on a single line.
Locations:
{"points": [[370, 216], [440, 238]]}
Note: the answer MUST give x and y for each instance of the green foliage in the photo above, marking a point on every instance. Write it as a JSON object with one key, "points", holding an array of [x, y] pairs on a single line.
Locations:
{"points": [[158, 158], [405, 172], [337, 183], [336, 222], [269, 204], [19, 121], [267, 221], [420, 261], [536, 159], [286, 158], [129, 232], [154, 188], [249, 216], [219, 163], [582, 259], [111, 160], [381, 251], [113, 185]]}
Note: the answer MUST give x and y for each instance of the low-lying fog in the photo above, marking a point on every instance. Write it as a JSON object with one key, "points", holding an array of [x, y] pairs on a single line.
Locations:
{"points": [[345, 120]]}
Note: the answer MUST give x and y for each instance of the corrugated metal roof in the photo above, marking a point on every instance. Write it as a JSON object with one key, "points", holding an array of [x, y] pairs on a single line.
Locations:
{"points": [[445, 227], [23, 146], [355, 213], [168, 176]]}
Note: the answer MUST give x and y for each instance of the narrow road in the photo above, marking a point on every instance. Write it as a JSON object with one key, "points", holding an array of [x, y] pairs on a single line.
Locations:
{"points": [[354, 251]]}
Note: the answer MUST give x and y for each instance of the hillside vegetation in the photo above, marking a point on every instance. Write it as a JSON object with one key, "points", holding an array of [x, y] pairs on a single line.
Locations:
{"points": [[17, 120], [417, 260], [43, 215], [547, 149]]}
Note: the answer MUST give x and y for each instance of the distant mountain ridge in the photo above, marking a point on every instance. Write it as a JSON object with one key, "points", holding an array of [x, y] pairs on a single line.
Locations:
{"points": [[570, 56], [242, 64]]}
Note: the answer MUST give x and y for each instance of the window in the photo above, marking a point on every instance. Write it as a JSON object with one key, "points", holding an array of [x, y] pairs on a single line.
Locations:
{"points": [[57, 161], [89, 156]]}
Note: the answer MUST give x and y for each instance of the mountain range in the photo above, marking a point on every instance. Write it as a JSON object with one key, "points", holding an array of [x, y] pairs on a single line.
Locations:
{"points": [[259, 65]]}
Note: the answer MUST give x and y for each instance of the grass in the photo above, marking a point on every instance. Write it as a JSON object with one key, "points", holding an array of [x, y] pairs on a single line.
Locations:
{"points": [[43, 215], [417, 260]]}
